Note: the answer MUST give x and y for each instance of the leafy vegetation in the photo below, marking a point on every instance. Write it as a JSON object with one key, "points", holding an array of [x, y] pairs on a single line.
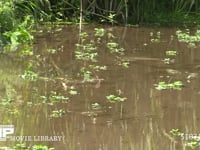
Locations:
{"points": [[24, 147], [114, 99], [189, 140], [176, 85], [187, 37]]}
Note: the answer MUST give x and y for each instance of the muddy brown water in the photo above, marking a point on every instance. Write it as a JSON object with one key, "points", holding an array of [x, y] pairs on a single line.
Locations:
{"points": [[142, 122]]}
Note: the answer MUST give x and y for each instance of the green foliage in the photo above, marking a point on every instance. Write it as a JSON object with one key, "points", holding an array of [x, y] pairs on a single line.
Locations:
{"points": [[21, 35], [176, 132], [168, 60], [57, 113], [113, 47], [176, 85], [39, 9], [22, 146], [99, 32], [114, 99], [73, 92], [54, 97], [7, 17], [190, 140], [171, 53], [96, 106], [29, 75], [192, 144], [155, 38], [113, 12], [186, 37]]}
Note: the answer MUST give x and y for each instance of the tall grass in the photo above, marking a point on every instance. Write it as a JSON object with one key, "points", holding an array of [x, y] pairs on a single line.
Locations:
{"points": [[122, 11]]}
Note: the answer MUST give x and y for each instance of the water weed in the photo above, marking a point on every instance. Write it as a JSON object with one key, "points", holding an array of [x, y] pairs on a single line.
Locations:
{"points": [[29, 75], [189, 140], [57, 113], [73, 92], [96, 106], [171, 53], [186, 37], [22, 146], [176, 85], [114, 98], [155, 38], [114, 48], [168, 60], [88, 51]]}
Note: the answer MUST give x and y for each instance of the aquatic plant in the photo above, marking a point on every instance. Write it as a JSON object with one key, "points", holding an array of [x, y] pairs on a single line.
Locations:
{"points": [[186, 37], [124, 64], [114, 98], [189, 140], [96, 106], [168, 60], [113, 47], [99, 32], [155, 38], [55, 50], [57, 113], [176, 132], [171, 53], [176, 85], [22, 146], [73, 92], [29, 75], [193, 144], [86, 52], [98, 68], [54, 97]]}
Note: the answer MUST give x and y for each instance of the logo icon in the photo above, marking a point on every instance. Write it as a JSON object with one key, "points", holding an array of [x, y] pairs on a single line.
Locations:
{"points": [[5, 130]]}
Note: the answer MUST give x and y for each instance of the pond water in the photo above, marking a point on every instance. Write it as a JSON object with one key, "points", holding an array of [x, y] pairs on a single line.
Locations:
{"points": [[101, 90]]}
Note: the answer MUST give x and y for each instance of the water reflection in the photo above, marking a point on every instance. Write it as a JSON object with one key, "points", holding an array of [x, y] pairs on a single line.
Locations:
{"points": [[143, 121]]}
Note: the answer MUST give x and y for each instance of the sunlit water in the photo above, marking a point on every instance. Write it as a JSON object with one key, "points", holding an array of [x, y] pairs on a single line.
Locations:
{"points": [[142, 122]]}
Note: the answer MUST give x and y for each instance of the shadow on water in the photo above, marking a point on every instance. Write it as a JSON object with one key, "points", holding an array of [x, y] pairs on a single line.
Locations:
{"points": [[60, 100]]}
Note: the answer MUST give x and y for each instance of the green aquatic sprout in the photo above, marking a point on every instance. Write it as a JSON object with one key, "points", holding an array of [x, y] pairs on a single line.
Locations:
{"points": [[96, 106], [155, 38], [168, 60], [124, 64], [54, 97], [52, 50], [98, 68], [87, 75], [111, 17], [29, 75], [73, 92], [114, 99], [22, 146], [176, 132], [57, 113], [83, 36], [41, 147], [186, 37], [171, 53], [86, 52], [113, 47], [27, 50], [193, 144], [176, 85], [100, 32]]}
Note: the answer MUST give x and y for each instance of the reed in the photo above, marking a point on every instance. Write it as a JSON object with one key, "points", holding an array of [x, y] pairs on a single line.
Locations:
{"points": [[122, 11]]}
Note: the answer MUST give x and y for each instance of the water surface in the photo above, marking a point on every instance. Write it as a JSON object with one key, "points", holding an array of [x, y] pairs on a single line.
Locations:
{"points": [[143, 121]]}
